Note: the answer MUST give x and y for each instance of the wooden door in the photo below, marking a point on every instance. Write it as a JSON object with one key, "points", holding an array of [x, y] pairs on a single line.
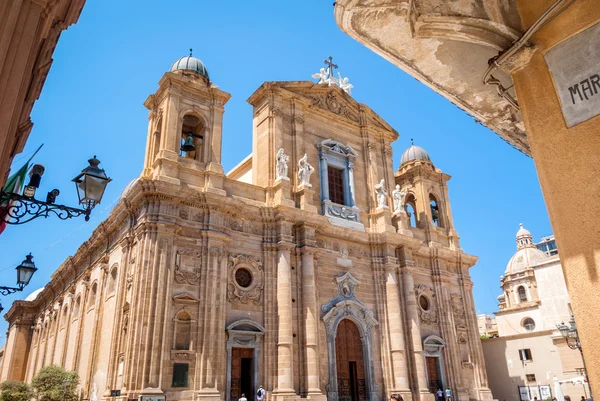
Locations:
{"points": [[433, 374], [240, 373], [350, 363]]}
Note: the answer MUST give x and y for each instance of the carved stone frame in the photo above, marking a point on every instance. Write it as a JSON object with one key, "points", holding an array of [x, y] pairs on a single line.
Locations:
{"points": [[252, 293], [244, 333], [346, 306], [428, 316], [336, 154]]}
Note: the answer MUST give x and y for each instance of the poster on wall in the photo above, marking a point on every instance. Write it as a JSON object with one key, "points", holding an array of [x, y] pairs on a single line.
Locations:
{"points": [[524, 393], [545, 393], [534, 392]]}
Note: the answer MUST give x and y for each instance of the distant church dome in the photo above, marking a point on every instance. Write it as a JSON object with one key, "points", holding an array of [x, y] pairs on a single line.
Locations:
{"points": [[190, 63], [527, 254], [414, 153], [31, 297]]}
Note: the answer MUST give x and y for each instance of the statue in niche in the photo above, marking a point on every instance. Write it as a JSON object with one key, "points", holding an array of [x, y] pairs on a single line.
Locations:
{"points": [[398, 197], [281, 168], [382, 194], [304, 171]]}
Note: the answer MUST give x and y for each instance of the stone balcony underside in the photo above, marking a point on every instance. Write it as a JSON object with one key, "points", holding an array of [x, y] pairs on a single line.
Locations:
{"points": [[446, 45]]}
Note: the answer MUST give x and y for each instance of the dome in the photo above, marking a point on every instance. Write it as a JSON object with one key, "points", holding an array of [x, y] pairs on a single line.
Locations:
{"points": [[128, 188], [31, 297], [523, 259], [414, 153], [527, 254], [523, 232], [190, 63]]}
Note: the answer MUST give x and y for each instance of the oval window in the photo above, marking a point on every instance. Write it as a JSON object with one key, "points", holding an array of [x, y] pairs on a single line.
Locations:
{"points": [[243, 277], [424, 302]]}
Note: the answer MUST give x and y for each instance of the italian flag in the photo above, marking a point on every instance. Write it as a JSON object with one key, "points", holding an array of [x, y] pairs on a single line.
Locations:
{"points": [[12, 186]]}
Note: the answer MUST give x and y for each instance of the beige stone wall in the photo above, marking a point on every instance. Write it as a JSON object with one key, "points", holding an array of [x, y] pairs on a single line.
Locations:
{"points": [[550, 357], [566, 161]]}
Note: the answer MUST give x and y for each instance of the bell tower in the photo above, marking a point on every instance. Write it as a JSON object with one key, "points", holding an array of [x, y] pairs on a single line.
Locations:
{"points": [[426, 200], [185, 126]]}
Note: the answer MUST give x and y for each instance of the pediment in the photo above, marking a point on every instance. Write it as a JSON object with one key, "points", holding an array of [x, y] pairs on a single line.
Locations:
{"points": [[334, 100], [185, 298], [330, 99]]}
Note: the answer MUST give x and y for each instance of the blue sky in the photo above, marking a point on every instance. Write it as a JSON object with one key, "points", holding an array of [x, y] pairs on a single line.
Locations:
{"points": [[111, 60]]}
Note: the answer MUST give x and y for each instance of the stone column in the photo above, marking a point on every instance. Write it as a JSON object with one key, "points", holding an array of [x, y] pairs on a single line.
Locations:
{"points": [[285, 366], [398, 350], [323, 176], [350, 185], [311, 321], [415, 334]]}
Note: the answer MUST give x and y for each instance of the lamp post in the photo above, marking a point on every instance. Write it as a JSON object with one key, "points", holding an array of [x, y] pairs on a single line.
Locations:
{"points": [[65, 384], [571, 336], [90, 183], [24, 273]]}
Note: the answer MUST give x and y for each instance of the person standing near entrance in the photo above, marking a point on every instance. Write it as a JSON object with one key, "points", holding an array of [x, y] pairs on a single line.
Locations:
{"points": [[440, 395], [260, 394], [243, 397], [448, 394]]}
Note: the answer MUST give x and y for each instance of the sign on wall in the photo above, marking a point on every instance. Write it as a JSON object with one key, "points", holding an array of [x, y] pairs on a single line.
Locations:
{"points": [[545, 393], [524, 393], [575, 67], [153, 398]]}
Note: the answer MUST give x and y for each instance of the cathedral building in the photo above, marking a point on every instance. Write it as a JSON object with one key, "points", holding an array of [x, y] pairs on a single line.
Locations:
{"points": [[311, 268]]}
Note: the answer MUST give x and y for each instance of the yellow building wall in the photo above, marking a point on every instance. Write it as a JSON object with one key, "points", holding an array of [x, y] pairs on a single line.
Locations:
{"points": [[568, 164]]}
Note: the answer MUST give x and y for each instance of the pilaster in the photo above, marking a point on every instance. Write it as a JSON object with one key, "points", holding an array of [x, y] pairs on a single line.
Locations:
{"points": [[285, 371], [311, 322]]}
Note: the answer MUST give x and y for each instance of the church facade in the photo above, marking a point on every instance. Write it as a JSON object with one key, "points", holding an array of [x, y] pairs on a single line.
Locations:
{"points": [[312, 268]]}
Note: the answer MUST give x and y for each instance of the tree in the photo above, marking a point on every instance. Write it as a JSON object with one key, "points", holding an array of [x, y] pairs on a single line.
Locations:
{"points": [[53, 383], [484, 336], [15, 391]]}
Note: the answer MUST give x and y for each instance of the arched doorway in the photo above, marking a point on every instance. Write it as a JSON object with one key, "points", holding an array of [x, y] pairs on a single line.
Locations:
{"points": [[350, 362], [349, 324]]}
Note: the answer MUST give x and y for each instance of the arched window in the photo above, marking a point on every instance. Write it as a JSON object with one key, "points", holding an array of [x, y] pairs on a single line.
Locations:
{"points": [[529, 324], [156, 140], [522, 294], [112, 284], [435, 211], [192, 137], [411, 209], [183, 329], [92, 296], [65, 316], [76, 307]]}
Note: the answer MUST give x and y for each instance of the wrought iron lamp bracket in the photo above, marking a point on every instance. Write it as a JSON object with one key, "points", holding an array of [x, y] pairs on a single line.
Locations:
{"points": [[24, 209]]}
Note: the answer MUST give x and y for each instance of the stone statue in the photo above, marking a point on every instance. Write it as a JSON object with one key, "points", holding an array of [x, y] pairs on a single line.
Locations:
{"points": [[304, 171], [323, 76], [381, 194], [398, 197], [94, 395], [281, 168], [344, 84]]}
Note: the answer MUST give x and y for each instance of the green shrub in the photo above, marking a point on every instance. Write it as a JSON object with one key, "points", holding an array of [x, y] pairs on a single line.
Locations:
{"points": [[15, 391], [53, 383]]}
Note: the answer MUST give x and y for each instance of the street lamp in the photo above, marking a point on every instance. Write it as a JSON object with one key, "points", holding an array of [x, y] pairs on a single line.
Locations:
{"points": [[571, 336], [24, 273], [65, 384], [90, 183]]}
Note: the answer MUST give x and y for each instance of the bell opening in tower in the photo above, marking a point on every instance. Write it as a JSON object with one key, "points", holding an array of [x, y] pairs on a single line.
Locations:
{"points": [[192, 138]]}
